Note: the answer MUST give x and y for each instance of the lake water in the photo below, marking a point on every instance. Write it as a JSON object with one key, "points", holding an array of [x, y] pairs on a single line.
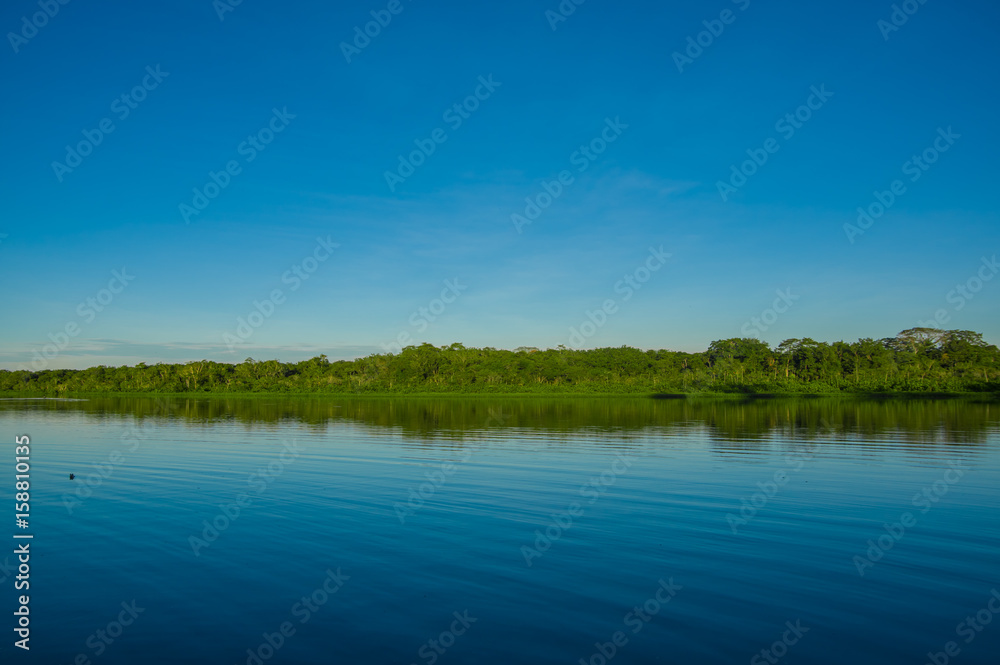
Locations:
{"points": [[279, 530]]}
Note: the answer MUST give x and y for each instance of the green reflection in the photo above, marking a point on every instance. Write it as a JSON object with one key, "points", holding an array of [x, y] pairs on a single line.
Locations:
{"points": [[923, 421]]}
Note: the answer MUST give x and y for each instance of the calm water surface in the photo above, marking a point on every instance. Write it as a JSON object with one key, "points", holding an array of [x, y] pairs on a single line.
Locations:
{"points": [[506, 531]]}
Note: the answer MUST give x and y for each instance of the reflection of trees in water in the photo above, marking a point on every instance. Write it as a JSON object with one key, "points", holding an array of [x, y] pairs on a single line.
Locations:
{"points": [[910, 420], [745, 423]]}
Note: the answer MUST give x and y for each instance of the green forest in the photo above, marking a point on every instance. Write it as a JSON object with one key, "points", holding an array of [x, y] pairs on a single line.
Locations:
{"points": [[918, 360]]}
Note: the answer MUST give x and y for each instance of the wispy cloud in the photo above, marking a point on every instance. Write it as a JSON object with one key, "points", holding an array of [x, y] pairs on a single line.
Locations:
{"points": [[91, 352]]}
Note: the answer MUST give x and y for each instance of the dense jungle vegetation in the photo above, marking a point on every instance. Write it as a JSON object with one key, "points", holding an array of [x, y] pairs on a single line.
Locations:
{"points": [[916, 360]]}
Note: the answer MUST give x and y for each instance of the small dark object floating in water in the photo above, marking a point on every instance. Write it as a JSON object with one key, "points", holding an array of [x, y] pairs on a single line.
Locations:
{"points": [[71, 476]]}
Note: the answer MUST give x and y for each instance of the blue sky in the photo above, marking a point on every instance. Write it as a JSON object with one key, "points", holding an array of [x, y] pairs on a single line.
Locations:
{"points": [[608, 67]]}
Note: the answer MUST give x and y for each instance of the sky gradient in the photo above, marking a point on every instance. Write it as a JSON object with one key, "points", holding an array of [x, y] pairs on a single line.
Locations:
{"points": [[247, 145]]}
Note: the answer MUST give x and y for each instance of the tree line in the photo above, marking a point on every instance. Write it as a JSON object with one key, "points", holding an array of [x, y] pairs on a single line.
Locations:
{"points": [[915, 360]]}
